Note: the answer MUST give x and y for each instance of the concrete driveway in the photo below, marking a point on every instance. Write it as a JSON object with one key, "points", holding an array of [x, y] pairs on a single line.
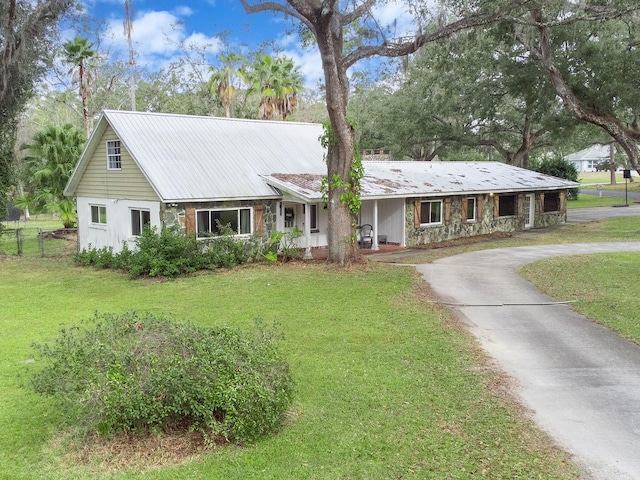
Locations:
{"points": [[580, 380]]}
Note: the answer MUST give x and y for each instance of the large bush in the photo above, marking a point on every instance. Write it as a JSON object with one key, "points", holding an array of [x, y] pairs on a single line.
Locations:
{"points": [[145, 373], [561, 168], [171, 252]]}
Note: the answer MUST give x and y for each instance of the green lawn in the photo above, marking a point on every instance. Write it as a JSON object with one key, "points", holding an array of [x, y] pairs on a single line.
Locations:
{"points": [[611, 230], [387, 385], [602, 286], [30, 243]]}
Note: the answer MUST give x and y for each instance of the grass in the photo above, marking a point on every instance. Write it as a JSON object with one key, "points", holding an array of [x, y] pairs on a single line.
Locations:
{"points": [[610, 230], [388, 386], [591, 179], [30, 242], [601, 284]]}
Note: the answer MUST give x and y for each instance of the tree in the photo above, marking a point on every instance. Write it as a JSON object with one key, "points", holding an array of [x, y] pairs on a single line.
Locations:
{"points": [[221, 82], [27, 36], [78, 52], [561, 168], [590, 51], [128, 30], [472, 91], [327, 23], [51, 158], [277, 81]]}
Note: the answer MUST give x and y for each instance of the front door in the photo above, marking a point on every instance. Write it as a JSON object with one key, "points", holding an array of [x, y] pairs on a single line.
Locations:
{"points": [[529, 210]]}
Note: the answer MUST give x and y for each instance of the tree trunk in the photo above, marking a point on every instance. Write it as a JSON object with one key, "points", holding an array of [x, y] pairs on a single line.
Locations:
{"points": [[343, 248]]}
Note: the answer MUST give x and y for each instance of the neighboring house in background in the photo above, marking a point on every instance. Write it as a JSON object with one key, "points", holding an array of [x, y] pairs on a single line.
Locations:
{"points": [[587, 160], [260, 176]]}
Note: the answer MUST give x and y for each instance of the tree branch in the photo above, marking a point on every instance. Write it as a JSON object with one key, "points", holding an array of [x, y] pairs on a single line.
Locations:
{"points": [[276, 7], [406, 48]]}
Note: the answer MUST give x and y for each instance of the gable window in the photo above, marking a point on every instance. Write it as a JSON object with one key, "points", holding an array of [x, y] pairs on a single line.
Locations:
{"points": [[99, 214], [211, 223], [431, 212], [471, 209], [139, 219], [114, 159], [506, 205]]}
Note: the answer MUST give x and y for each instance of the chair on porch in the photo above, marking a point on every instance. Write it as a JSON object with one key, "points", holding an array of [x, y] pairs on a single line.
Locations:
{"points": [[366, 236]]}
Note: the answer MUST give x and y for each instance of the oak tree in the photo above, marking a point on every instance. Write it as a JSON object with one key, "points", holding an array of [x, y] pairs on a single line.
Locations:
{"points": [[327, 21]]}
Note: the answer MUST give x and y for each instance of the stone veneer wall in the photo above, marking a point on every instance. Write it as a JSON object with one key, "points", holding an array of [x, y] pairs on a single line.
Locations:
{"points": [[175, 214], [428, 234]]}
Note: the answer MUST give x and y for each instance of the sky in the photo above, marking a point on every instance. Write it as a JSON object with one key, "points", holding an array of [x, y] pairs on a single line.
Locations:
{"points": [[159, 26]]}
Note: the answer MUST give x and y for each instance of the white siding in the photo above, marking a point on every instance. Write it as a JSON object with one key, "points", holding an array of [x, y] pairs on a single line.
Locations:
{"points": [[118, 227]]}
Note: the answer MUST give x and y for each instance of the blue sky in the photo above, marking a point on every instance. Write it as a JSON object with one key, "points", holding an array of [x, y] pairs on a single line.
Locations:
{"points": [[160, 25]]}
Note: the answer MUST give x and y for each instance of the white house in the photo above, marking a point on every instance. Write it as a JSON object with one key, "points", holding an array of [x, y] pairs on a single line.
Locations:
{"points": [[587, 160], [259, 176]]}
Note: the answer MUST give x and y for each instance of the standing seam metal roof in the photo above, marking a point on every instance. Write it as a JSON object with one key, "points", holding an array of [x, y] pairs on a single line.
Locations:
{"points": [[192, 158]]}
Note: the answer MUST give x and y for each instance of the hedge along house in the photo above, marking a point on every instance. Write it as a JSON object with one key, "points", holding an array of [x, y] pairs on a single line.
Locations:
{"points": [[418, 203], [259, 176]]}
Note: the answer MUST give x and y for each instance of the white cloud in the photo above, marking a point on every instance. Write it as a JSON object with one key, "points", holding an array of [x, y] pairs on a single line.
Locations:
{"points": [[184, 11], [395, 15], [310, 65], [157, 38]]}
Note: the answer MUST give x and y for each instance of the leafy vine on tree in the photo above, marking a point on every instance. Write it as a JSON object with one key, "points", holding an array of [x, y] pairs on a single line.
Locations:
{"points": [[351, 196]]}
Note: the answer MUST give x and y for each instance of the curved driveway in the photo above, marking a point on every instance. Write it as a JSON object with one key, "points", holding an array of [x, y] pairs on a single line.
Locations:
{"points": [[581, 381]]}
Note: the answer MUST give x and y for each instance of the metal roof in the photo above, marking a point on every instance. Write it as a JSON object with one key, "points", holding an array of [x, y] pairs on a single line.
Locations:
{"points": [[594, 152], [192, 158], [428, 179]]}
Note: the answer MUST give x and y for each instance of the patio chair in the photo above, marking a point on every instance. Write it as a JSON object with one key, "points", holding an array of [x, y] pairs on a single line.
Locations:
{"points": [[366, 236]]}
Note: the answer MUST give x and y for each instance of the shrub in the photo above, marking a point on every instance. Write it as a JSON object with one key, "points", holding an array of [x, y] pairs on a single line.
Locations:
{"points": [[561, 168], [145, 373]]}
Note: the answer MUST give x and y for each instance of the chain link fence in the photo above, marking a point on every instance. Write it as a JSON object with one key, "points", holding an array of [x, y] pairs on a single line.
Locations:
{"points": [[35, 242]]}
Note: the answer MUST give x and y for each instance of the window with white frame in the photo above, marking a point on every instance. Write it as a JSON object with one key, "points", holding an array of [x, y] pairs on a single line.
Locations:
{"points": [[114, 159], [471, 209], [212, 223], [99, 214], [139, 219], [431, 212]]}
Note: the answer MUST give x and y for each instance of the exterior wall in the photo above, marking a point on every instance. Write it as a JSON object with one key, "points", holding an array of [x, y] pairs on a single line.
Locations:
{"points": [[118, 227], [487, 220], [177, 214], [128, 182], [317, 238], [391, 218]]}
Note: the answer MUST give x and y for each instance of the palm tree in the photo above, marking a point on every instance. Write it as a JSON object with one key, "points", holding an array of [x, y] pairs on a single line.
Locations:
{"points": [[278, 83], [78, 52], [289, 83], [51, 158], [221, 82]]}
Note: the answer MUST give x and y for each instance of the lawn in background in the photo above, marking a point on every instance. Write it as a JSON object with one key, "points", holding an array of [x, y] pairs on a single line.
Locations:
{"points": [[387, 385], [29, 231]]}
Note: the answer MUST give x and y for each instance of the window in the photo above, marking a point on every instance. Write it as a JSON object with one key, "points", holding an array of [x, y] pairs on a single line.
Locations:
{"points": [[551, 201], [211, 223], [139, 219], [431, 212], [99, 214], [506, 205], [114, 160], [313, 218], [471, 209]]}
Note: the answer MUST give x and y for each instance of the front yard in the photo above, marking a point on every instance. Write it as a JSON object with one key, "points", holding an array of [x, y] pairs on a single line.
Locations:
{"points": [[387, 384]]}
